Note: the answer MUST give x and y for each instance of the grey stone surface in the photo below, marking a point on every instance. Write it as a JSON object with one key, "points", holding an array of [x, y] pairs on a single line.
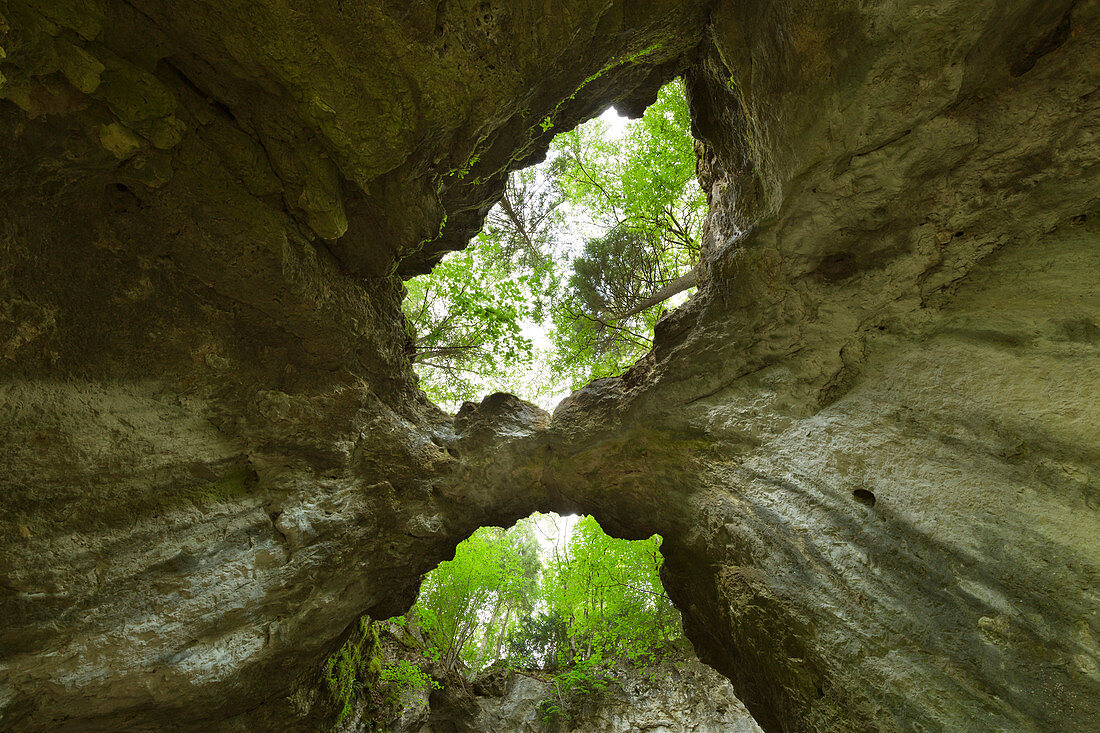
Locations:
{"points": [[215, 456], [673, 696]]}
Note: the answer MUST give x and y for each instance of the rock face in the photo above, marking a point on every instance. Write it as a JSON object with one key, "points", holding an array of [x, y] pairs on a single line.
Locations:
{"points": [[674, 696], [870, 440]]}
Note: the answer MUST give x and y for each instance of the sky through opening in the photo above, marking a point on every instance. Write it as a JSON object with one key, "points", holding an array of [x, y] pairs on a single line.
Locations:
{"points": [[573, 267]]}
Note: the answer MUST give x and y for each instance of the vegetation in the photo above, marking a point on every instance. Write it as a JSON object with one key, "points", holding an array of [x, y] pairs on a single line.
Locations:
{"points": [[468, 606], [354, 667], [581, 252], [401, 677], [578, 256], [504, 599], [563, 606], [468, 316], [569, 610]]}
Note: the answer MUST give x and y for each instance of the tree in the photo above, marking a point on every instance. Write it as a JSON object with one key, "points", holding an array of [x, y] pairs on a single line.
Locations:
{"points": [[609, 594], [589, 244], [467, 605], [644, 200], [565, 612], [527, 220], [467, 319], [504, 598]]}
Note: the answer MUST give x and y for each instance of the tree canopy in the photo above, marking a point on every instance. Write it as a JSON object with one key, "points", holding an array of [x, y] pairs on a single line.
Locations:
{"points": [[567, 279], [552, 597], [506, 597]]}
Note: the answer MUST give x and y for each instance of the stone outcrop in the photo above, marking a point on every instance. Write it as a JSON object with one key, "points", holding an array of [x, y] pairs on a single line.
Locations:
{"points": [[870, 440], [672, 696]]}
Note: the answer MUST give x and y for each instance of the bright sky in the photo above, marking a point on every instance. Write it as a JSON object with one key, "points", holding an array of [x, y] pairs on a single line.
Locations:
{"points": [[616, 123], [553, 531]]}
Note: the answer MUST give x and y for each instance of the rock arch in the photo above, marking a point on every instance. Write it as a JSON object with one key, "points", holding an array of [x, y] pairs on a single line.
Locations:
{"points": [[216, 457]]}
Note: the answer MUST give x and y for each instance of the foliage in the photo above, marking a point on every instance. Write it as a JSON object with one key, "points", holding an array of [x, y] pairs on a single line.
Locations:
{"points": [[534, 640], [643, 183], [586, 680], [506, 598], [526, 223], [493, 575], [642, 195], [467, 315], [526, 598], [403, 679], [356, 675], [586, 245], [609, 594]]}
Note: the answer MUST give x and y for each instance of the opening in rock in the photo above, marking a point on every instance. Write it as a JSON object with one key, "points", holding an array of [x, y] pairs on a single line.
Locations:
{"points": [[865, 497], [549, 624], [573, 267]]}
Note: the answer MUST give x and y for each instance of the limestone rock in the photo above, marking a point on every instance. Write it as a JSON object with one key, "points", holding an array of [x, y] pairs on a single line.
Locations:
{"points": [[216, 458], [680, 695]]}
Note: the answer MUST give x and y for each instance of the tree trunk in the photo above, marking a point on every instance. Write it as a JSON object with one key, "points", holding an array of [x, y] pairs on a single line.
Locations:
{"points": [[503, 629], [677, 286], [521, 228], [483, 657]]}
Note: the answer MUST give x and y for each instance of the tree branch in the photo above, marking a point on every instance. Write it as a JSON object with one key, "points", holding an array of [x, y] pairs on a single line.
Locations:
{"points": [[677, 286]]}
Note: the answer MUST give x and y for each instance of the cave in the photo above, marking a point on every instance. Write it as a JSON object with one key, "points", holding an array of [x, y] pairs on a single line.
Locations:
{"points": [[546, 625], [870, 439]]}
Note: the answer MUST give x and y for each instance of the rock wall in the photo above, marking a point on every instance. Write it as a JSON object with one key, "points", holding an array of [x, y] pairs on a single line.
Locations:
{"points": [[869, 440], [676, 695]]}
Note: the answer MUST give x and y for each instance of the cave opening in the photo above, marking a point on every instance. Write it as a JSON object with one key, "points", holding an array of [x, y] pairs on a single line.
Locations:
{"points": [[573, 267], [550, 622]]}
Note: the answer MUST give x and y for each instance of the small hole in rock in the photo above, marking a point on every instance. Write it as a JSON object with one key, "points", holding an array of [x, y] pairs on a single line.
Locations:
{"points": [[1079, 219], [122, 187], [865, 497]]}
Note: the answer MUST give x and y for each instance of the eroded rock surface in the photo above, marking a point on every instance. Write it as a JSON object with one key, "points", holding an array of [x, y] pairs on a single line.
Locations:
{"points": [[869, 441], [674, 696]]}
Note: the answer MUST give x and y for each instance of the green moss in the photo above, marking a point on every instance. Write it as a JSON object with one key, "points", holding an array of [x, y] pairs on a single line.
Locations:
{"points": [[235, 483], [462, 172], [403, 680], [438, 233], [354, 667], [548, 121]]}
